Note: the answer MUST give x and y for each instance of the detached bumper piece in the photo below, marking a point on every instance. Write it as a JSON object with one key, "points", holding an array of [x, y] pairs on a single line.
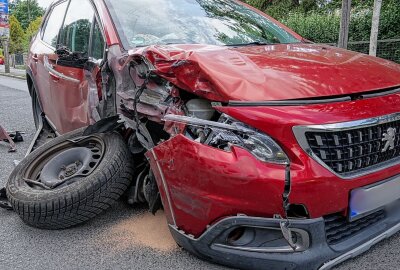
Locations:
{"points": [[43, 135], [258, 243]]}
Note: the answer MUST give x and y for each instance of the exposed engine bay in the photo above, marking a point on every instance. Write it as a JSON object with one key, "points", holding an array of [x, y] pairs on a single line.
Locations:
{"points": [[154, 109]]}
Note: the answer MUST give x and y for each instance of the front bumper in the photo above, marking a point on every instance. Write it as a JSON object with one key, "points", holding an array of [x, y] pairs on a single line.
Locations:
{"points": [[319, 254]]}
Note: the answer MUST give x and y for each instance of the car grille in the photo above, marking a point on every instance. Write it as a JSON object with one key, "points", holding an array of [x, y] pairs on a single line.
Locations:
{"points": [[350, 151], [338, 229]]}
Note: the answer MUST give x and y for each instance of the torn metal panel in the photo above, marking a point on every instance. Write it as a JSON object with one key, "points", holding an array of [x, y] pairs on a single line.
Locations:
{"points": [[116, 59], [153, 111], [141, 93], [180, 67], [91, 74]]}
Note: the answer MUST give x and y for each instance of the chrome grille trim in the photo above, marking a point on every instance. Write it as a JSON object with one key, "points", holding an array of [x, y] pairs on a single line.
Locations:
{"points": [[300, 134]]}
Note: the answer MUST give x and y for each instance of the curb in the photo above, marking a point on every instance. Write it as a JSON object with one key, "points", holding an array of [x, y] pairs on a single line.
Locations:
{"points": [[20, 77]]}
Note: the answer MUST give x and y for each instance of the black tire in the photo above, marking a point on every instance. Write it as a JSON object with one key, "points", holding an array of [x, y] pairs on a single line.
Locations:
{"points": [[80, 201]]}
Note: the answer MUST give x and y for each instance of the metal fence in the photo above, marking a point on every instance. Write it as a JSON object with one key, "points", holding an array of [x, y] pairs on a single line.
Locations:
{"points": [[18, 59], [388, 48]]}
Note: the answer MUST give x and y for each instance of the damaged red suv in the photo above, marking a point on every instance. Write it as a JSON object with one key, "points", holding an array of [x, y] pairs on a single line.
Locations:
{"points": [[264, 150]]}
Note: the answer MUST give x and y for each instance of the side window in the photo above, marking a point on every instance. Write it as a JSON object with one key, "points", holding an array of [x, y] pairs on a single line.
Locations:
{"points": [[77, 25], [97, 48], [53, 24]]}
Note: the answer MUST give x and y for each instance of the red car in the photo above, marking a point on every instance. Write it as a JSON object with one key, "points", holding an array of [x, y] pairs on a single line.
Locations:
{"points": [[264, 149], [1, 60]]}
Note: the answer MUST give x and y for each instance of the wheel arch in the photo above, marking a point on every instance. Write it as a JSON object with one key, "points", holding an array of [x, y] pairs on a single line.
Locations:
{"points": [[32, 85]]}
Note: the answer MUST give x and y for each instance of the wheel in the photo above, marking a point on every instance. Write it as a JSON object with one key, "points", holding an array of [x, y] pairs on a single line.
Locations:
{"points": [[70, 180], [37, 111]]}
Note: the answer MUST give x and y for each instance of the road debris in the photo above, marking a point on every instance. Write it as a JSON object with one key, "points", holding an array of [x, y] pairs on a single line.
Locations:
{"points": [[4, 200]]}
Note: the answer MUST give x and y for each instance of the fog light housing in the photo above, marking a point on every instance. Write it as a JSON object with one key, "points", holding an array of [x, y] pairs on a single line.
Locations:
{"points": [[258, 239]]}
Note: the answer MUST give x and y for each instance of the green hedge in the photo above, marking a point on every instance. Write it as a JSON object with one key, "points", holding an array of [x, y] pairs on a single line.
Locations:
{"points": [[321, 28], [321, 23], [389, 27]]}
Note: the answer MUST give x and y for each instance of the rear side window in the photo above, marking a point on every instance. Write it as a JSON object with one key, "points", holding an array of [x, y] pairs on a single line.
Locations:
{"points": [[53, 24], [75, 33], [97, 42]]}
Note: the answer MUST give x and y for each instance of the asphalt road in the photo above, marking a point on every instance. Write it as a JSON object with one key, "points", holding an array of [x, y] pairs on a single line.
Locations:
{"points": [[122, 238]]}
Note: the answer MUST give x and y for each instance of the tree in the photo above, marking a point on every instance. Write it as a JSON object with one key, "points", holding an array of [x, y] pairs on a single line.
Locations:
{"points": [[31, 31], [12, 5], [17, 36], [345, 24], [26, 11], [375, 27]]}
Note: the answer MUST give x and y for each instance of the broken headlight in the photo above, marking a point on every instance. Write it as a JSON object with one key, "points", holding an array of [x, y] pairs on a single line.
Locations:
{"points": [[228, 132]]}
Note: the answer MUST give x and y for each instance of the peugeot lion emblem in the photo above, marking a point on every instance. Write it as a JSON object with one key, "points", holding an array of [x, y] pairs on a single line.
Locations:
{"points": [[389, 137]]}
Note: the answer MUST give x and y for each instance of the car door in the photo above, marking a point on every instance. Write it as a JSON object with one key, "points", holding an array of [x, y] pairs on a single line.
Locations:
{"points": [[70, 88], [42, 47]]}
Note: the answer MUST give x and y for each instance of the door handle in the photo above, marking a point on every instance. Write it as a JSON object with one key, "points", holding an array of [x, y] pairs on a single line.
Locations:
{"points": [[54, 76]]}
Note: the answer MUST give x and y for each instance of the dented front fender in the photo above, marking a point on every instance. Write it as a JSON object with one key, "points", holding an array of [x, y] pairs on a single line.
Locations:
{"points": [[200, 185]]}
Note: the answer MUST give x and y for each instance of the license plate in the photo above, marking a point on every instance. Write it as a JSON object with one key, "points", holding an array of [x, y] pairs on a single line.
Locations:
{"points": [[366, 200]]}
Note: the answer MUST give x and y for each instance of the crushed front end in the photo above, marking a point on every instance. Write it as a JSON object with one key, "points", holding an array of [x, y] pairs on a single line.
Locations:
{"points": [[229, 206], [256, 184]]}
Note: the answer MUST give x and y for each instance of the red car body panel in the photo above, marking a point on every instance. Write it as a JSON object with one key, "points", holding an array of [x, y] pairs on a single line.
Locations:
{"points": [[67, 107], [107, 23], [201, 194], [70, 100], [278, 72], [199, 184], [42, 78], [274, 72], [313, 185]]}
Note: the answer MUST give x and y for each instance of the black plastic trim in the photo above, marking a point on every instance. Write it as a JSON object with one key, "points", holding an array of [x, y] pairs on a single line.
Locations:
{"points": [[302, 102], [29, 75], [287, 102], [319, 255]]}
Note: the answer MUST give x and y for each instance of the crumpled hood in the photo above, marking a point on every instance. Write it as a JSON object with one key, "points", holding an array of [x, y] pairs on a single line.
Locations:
{"points": [[273, 72]]}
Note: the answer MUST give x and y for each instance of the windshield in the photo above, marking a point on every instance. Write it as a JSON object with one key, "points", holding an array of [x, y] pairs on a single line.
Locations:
{"points": [[214, 22]]}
